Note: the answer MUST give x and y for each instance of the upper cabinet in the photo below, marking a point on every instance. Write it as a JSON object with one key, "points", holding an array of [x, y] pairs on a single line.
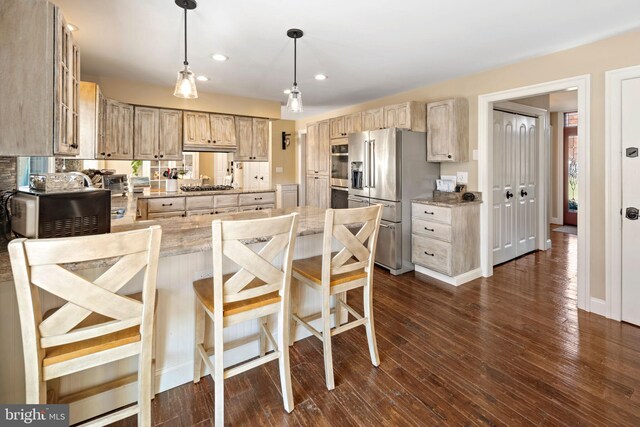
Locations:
{"points": [[117, 143], [373, 119], [252, 137], [223, 131], [196, 131], [40, 69], [318, 151], [337, 127], [157, 134], [91, 115], [344, 125], [448, 131], [408, 115]]}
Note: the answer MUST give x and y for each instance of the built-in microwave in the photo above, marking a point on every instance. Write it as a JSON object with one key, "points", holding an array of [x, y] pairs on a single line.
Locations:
{"points": [[340, 163]]}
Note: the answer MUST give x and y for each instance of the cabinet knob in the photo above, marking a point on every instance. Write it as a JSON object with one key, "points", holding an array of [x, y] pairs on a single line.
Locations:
{"points": [[262, 178], [109, 155], [427, 253], [209, 141], [161, 156], [449, 156], [255, 177], [155, 156], [103, 154], [429, 229], [214, 141]]}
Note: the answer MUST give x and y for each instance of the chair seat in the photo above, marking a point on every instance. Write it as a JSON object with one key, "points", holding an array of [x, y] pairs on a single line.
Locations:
{"points": [[204, 291], [311, 269], [74, 350]]}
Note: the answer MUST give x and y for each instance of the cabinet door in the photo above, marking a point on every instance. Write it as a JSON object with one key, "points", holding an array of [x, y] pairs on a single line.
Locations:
{"points": [[323, 191], [403, 115], [102, 147], [223, 130], [145, 134], [337, 127], [311, 198], [197, 130], [391, 116], [189, 128], [119, 131], [352, 123], [373, 119], [440, 131], [170, 135], [260, 150], [312, 148], [67, 90], [244, 138], [323, 153]]}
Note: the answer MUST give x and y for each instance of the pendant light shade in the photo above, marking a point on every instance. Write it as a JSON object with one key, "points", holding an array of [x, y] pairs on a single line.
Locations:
{"points": [[294, 103], [186, 82]]}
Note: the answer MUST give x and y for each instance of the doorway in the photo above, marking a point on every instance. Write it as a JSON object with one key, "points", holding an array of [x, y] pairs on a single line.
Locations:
{"points": [[570, 169], [485, 164]]}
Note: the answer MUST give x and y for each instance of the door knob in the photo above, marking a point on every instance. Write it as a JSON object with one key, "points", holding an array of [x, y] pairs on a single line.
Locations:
{"points": [[633, 214], [523, 193], [509, 194]]}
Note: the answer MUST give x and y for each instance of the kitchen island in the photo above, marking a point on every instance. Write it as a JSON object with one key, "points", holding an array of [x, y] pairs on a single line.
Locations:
{"points": [[185, 256]]}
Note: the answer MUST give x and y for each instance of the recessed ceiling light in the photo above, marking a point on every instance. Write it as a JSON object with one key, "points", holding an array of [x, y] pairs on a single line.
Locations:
{"points": [[287, 91], [219, 57], [72, 27], [321, 77], [203, 78]]}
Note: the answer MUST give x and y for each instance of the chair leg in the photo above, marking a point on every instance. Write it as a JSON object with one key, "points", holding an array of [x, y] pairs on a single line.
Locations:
{"points": [[53, 390], [371, 333], [218, 374], [293, 302], [153, 358], [326, 341], [144, 383], [339, 318], [263, 338], [199, 328], [284, 317]]}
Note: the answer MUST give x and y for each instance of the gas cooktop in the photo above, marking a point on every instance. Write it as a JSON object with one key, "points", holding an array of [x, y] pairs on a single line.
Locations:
{"points": [[205, 187]]}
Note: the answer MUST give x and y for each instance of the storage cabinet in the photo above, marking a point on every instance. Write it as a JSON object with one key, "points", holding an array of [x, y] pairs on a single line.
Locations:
{"points": [[157, 134], [448, 131], [91, 120], [318, 158], [337, 127], [286, 195], [445, 240], [223, 131], [318, 191], [196, 131], [373, 119], [252, 136], [352, 123], [408, 115], [40, 71], [117, 143]]}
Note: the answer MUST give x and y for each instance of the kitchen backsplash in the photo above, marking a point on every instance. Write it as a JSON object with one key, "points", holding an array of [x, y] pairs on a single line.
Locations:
{"points": [[7, 173]]}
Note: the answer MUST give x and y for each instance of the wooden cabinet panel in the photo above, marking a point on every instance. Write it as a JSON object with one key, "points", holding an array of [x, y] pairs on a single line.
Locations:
{"points": [[373, 119], [199, 202], [197, 130], [352, 123], [170, 135], [244, 138], [408, 115], [323, 153], [166, 204], [311, 159], [260, 146], [225, 200], [90, 113], [145, 136], [223, 130], [448, 131], [317, 191], [431, 253], [256, 198], [337, 127], [118, 137]]}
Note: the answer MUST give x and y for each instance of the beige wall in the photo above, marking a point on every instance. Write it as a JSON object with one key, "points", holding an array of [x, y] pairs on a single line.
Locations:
{"points": [[286, 159], [162, 96], [205, 164], [594, 59]]}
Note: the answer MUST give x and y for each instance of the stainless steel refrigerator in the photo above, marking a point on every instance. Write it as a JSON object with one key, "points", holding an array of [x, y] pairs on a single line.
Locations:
{"points": [[389, 167]]}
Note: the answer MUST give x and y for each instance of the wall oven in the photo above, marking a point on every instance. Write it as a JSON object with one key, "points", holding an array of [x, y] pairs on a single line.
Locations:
{"points": [[340, 163]]}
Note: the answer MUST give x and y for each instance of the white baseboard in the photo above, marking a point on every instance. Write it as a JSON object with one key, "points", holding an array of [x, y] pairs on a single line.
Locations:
{"points": [[556, 221], [598, 306], [548, 244], [455, 281]]}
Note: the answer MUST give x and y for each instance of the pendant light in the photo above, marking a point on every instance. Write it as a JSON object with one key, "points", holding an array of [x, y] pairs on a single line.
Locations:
{"points": [[294, 103], [186, 83]]}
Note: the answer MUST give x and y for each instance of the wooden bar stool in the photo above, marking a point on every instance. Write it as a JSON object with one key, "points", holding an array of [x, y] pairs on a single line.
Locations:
{"points": [[333, 274], [96, 326], [261, 287]]}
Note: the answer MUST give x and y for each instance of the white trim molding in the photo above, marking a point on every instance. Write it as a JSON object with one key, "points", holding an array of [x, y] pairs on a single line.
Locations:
{"points": [[455, 281], [598, 306], [485, 148], [613, 188]]}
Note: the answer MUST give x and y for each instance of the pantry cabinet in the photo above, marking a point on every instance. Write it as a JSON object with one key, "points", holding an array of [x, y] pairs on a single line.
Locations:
{"points": [[448, 131]]}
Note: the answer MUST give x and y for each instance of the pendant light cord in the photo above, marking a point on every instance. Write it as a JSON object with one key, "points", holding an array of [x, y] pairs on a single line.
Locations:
{"points": [[185, 34], [295, 60]]}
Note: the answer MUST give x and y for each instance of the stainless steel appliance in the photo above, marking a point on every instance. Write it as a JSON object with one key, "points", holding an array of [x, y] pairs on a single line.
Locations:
{"points": [[116, 183], [339, 197], [340, 163], [42, 214], [389, 167]]}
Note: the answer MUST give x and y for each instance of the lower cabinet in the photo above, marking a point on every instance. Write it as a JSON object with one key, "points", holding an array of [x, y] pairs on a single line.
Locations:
{"points": [[286, 195], [318, 191], [169, 207], [445, 239]]}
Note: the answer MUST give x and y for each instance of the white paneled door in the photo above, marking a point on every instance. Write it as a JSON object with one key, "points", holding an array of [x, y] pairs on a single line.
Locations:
{"points": [[515, 165], [630, 201]]}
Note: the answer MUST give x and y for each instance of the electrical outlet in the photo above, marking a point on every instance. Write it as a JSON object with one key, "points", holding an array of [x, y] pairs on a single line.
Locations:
{"points": [[279, 169], [203, 275], [462, 177]]}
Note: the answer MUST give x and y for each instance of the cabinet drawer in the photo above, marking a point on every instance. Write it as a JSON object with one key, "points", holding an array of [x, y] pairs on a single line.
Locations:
{"points": [[226, 200], [200, 212], [160, 215], [225, 210], [167, 204], [257, 199], [434, 230], [199, 202], [431, 253], [431, 213]]}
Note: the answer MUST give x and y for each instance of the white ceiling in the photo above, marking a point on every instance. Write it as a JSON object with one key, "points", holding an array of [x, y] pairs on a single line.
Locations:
{"points": [[369, 49]]}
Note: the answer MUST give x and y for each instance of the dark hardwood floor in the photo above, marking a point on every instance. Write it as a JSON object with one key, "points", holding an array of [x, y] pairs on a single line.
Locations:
{"points": [[509, 350]]}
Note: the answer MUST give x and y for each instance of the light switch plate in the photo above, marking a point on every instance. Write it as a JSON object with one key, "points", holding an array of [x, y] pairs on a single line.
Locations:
{"points": [[279, 169], [462, 177]]}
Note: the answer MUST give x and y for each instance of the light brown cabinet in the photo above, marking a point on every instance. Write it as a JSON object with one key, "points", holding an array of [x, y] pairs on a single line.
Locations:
{"points": [[337, 127], [408, 115], [223, 131], [91, 123], [40, 71], [317, 191], [196, 131], [448, 131], [117, 143], [342, 126], [318, 151], [373, 119], [252, 137], [157, 134], [311, 153]]}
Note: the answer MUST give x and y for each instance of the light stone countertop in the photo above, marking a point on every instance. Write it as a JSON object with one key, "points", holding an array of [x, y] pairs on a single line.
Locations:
{"points": [[147, 194], [446, 203]]}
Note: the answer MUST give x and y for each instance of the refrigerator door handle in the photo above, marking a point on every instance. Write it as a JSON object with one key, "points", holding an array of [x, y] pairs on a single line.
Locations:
{"points": [[372, 165], [365, 172]]}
